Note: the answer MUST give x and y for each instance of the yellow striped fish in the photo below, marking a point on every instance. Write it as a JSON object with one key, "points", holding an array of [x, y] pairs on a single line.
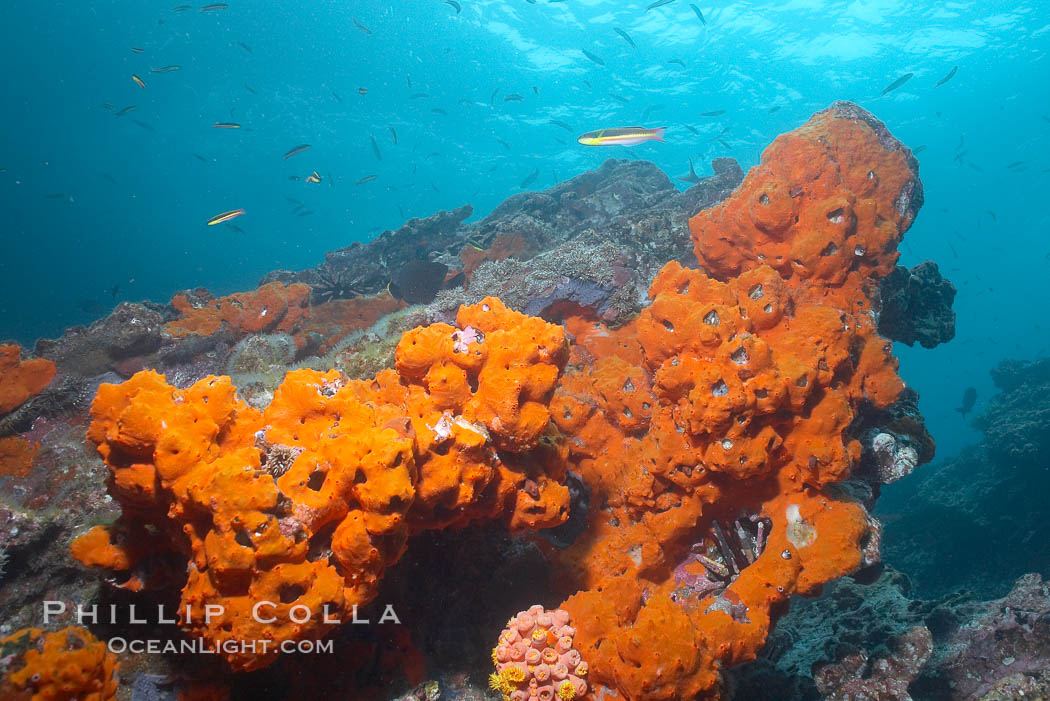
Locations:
{"points": [[225, 216], [622, 136]]}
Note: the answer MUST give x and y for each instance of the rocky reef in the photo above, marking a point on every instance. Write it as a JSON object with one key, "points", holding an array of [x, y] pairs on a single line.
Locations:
{"points": [[657, 414], [993, 492], [982, 631], [875, 640]]}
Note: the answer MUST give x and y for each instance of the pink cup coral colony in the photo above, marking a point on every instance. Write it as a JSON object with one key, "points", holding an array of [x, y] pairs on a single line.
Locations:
{"points": [[535, 658]]}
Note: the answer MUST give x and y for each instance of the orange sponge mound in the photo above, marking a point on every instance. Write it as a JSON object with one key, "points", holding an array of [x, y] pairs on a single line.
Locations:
{"points": [[21, 379], [67, 664], [272, 307], [16, 456], [712, 429], [829, 198], [288, 517]]}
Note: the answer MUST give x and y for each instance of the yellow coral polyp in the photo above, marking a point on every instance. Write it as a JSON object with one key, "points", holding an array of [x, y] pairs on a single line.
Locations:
{"points": [[566, 691], [581, 670], [513, 673], [539, 636], [495, 659], [498, 683]]}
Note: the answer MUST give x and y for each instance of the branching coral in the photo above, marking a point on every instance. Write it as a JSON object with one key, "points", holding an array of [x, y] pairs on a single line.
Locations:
{"points": [[299, 508], [67, 664]]}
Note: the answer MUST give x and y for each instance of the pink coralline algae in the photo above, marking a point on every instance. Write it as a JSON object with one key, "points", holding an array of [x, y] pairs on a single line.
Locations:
{"points": [[535, 658]]}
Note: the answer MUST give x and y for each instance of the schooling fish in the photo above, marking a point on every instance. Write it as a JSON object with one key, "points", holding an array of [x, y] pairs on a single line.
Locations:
{"points": [[679, 61], [360, 26], [773, 110], [455, 5], [375, 148], [362, 91], [698, 13], [226, 125], [691, 128], [713, 113], [366, 179], [165, 69], [313, 177], [626, 37], [969, 398], [136, 50], [945, 79], [594, 58], [214, 6], [182, 8], [619, 98], [124, 111], [225, 216], [393, 134], [897, 83], [692, 177], [438, 110], [513, 97], [530, 179], [337, 98], [725, 130], [658, 3], [418, 96], [244, 46], [919, 149], [250, 89], [295, 151], [138, 81], [504, 144], [622, 136], [145, 125], [563, 125]]}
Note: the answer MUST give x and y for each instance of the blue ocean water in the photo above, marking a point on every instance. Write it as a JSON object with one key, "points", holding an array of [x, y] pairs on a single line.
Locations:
{"points": [[100, 208]]}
